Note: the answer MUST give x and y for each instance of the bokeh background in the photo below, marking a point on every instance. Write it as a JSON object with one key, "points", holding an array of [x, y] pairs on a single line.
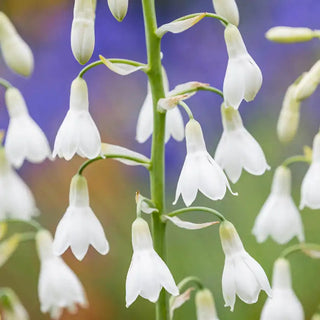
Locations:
{"points": [[198, 54]]}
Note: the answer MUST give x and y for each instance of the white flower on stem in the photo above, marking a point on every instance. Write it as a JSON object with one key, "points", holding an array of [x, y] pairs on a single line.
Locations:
{"points": [[12, 308], [205, 306], [243, 77], [16, 53], [237, 148], [25, 139], [279, 217], [148, 273], [310, 188], [118, 8], [242, 275], [78, 133], [79, 226], [199, 171], [284, 304], [82, 30], [174, 121], [227, 9], [16, 199], [58, 286]]}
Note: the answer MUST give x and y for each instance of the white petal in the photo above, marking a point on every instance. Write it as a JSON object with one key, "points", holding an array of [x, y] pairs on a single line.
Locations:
{"points": [[174, 125], [229, 284], [120, 68], [253, 79], [189, 225], [132, 282], [310, 191]]}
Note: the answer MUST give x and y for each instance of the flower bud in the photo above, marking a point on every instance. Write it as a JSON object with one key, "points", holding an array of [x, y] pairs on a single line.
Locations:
{"points": [[82, 31], [16, 53], [206, 309], [289, 117], [118, 8], [309, 83], [289, 35], [227, 9]]}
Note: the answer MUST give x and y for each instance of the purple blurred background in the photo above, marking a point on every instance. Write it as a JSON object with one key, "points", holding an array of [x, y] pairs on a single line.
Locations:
{"points": [[198, 54]]}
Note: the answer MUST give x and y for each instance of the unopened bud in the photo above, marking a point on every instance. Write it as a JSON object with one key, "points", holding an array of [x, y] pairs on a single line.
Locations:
{"points": [[227, 9], [118, 8], [289, 35], [16, 53]]}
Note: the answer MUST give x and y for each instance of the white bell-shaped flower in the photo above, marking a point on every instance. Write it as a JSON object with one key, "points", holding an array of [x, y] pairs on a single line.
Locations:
{"points": [[243, 77], [174, 120], [279, 217], [16, 199], [82, 30], [16, 53], [310, 188], [284, 304], [58, 286], [79, 226], [12, 308], [205, 306], [148, 273], [199, 171], [78, 133], [25, 139], [227, 9], [118, 8], [242, 275], [237, 148]]}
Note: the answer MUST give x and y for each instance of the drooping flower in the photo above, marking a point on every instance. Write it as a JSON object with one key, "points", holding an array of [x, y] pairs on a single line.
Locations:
{"points": [[25, 139], [174, 121], [148, 273], [118, 8], [237, 148], [199, 171], [79, 226], [205, 306], [58, 286], [16, 53], [242, 275], [279, 216], [284, 304], [227, 9], [310, 188], [78, 132], [243, 77], [11, 306], [16, 199], [82, 30]]}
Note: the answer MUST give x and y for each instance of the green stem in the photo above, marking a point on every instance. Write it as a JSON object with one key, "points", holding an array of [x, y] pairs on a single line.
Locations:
{"points": [[212, 89], [157, 183], [113, 156], [33, 223], [186, 282], [187, 109], [207, 14], [299, 247], [219, 215], [100, 62], [6, 84], [295, 159]]}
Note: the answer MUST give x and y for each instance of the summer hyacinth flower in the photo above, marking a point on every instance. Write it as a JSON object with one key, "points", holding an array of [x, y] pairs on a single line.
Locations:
{"points": [[279, 216], [82, 30], [16, 53], [79, 226], [206, 309], [199, 171], [227, 9], [78, 132], [118, 8], [25, 139], [174, 121], [16, 199], [237, 148], [242, 275], [58, 286], [310, 188], [284, 304], [147, 273], [243, 77], [12, 308]]}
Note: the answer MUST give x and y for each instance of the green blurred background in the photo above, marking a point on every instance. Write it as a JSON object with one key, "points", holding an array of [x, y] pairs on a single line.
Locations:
{"points": [[198, 54]]}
